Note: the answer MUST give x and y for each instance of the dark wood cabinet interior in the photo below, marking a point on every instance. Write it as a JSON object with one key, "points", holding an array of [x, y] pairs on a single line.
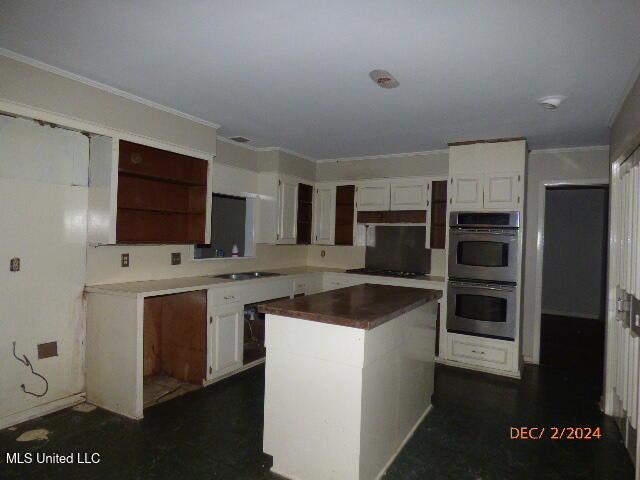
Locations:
{"points": [[162, 196], [438, 213], [345, 196], [396, 216], [305, 214], [175, 337]]}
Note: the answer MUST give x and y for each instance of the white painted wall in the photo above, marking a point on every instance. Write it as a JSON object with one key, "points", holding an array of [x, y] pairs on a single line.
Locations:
{"points": [[574, 251], [43, 198], [547, 166]]}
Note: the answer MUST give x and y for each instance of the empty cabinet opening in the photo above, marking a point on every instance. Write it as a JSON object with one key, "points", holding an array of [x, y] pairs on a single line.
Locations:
{"points": [[254, 332], [175, 345]]}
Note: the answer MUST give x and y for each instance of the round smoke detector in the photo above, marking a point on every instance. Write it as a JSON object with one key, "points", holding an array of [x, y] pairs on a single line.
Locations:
{"points": [[383, 79], [551, 102]]}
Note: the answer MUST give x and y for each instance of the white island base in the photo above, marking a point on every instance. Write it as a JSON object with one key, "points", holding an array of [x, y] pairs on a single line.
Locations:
{"points": [[340, 402]]}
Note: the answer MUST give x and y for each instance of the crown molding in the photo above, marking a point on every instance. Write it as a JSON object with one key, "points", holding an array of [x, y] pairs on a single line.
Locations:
{"points": [[591, 148], [101, 86], [377, 157], [266, 149]]}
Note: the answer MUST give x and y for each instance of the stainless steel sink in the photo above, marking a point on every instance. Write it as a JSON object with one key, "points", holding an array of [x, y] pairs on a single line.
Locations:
{"points": [[246, 275]]}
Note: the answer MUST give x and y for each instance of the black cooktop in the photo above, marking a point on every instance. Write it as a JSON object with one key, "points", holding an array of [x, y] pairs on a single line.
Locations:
{"points": [[384, 273]]}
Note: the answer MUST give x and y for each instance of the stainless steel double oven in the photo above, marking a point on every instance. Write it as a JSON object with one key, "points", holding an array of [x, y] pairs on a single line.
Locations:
{"points": [[484, 251]]}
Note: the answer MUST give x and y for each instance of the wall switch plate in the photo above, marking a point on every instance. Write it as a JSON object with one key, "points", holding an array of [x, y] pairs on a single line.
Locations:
{"points": [[14, 264], [124, 260], [176, 258]]}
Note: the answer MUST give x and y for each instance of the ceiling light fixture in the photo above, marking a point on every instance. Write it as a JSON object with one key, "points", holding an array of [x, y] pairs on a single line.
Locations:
{"points": [[551, 102], [383, 79]]}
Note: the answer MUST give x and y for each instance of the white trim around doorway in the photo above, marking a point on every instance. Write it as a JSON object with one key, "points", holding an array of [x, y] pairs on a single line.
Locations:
{"points": [[537, 310]]}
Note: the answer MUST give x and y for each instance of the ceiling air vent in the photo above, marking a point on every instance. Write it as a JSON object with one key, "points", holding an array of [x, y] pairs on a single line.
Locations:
{"points": [[240, 139]]}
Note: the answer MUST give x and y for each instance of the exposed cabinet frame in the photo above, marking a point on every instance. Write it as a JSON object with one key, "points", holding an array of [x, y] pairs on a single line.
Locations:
{"points": [[104, 153]]}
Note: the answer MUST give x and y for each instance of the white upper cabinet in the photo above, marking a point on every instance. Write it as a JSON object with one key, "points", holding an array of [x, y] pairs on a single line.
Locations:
{"points": [[287, 210], [466, 192], [324, 214], [502, 191], [373, 196], [278, 208], [487, 176], [409, 194]]}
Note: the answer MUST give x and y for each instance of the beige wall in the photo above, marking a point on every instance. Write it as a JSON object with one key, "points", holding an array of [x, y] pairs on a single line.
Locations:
{"points": [[236, 156], [548, 166], [38, 88], [436, 163], [296, 166], [625, 130], [154, 262], [335, 256]]}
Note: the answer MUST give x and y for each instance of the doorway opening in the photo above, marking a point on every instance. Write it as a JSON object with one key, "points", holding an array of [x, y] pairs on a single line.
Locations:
{"points": [[573, 294]]}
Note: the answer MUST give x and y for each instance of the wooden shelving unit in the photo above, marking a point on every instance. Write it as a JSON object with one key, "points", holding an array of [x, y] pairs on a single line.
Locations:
{"points": [[344, 214], [305, 214], [162, 196], [438, 213]]}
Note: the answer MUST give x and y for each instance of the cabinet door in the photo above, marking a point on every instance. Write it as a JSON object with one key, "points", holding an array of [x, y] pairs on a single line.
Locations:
{"points": [[502, 191], [226, 335], [466, 192], [373, 196], [324, 215], [409, 194], [287, 210]]}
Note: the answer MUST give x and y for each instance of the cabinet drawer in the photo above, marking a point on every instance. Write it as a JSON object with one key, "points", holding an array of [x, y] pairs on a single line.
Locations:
{"points": [[224, 296], [477, 353]]}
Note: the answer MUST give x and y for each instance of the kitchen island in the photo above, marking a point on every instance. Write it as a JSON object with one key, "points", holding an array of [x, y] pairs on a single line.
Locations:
{"points": [[349, 376]]}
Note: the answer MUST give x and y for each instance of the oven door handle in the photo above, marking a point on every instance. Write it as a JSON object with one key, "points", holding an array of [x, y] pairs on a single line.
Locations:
{"points": [[462, 231], [485, 286]]}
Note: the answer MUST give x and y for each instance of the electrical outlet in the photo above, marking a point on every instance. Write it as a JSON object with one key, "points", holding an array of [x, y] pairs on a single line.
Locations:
{"points": [[176, 258], [124, 260], [14, 264]]}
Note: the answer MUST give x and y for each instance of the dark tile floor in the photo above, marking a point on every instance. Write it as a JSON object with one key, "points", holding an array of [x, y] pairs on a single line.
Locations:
{"points": [[217, 433]]}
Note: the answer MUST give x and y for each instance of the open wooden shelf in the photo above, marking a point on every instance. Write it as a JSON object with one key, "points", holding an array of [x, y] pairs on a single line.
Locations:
{"points": [[345, 210], [162, 196], [438, 213], [305, 214]]}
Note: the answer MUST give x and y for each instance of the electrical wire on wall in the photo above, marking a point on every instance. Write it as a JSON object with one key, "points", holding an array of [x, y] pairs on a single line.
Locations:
{"points": [[27, 363]]}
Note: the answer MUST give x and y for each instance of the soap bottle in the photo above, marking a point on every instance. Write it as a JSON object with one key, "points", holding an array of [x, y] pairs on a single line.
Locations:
{"points": [[234, 250]]}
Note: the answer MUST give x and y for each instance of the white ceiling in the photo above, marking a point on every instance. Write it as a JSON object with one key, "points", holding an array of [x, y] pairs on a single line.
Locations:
{"points": [[294, 73]]}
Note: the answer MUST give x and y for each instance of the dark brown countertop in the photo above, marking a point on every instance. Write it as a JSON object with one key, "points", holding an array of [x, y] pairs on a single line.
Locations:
{"points": [[363, 306]]}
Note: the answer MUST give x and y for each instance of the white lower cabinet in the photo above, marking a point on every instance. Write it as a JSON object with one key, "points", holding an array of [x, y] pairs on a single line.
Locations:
{"points": [[307, 285], [333, 282], [482, 352], [225, 335]]}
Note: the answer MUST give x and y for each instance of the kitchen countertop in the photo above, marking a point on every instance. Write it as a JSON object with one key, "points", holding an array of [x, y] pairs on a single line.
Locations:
{"points": [[185, 284], [363, 306]]}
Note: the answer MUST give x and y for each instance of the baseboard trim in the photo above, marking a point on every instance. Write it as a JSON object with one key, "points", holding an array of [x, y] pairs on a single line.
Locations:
{"points": [[561, 313], [478, 368], [41, 410], [530, 360]]}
